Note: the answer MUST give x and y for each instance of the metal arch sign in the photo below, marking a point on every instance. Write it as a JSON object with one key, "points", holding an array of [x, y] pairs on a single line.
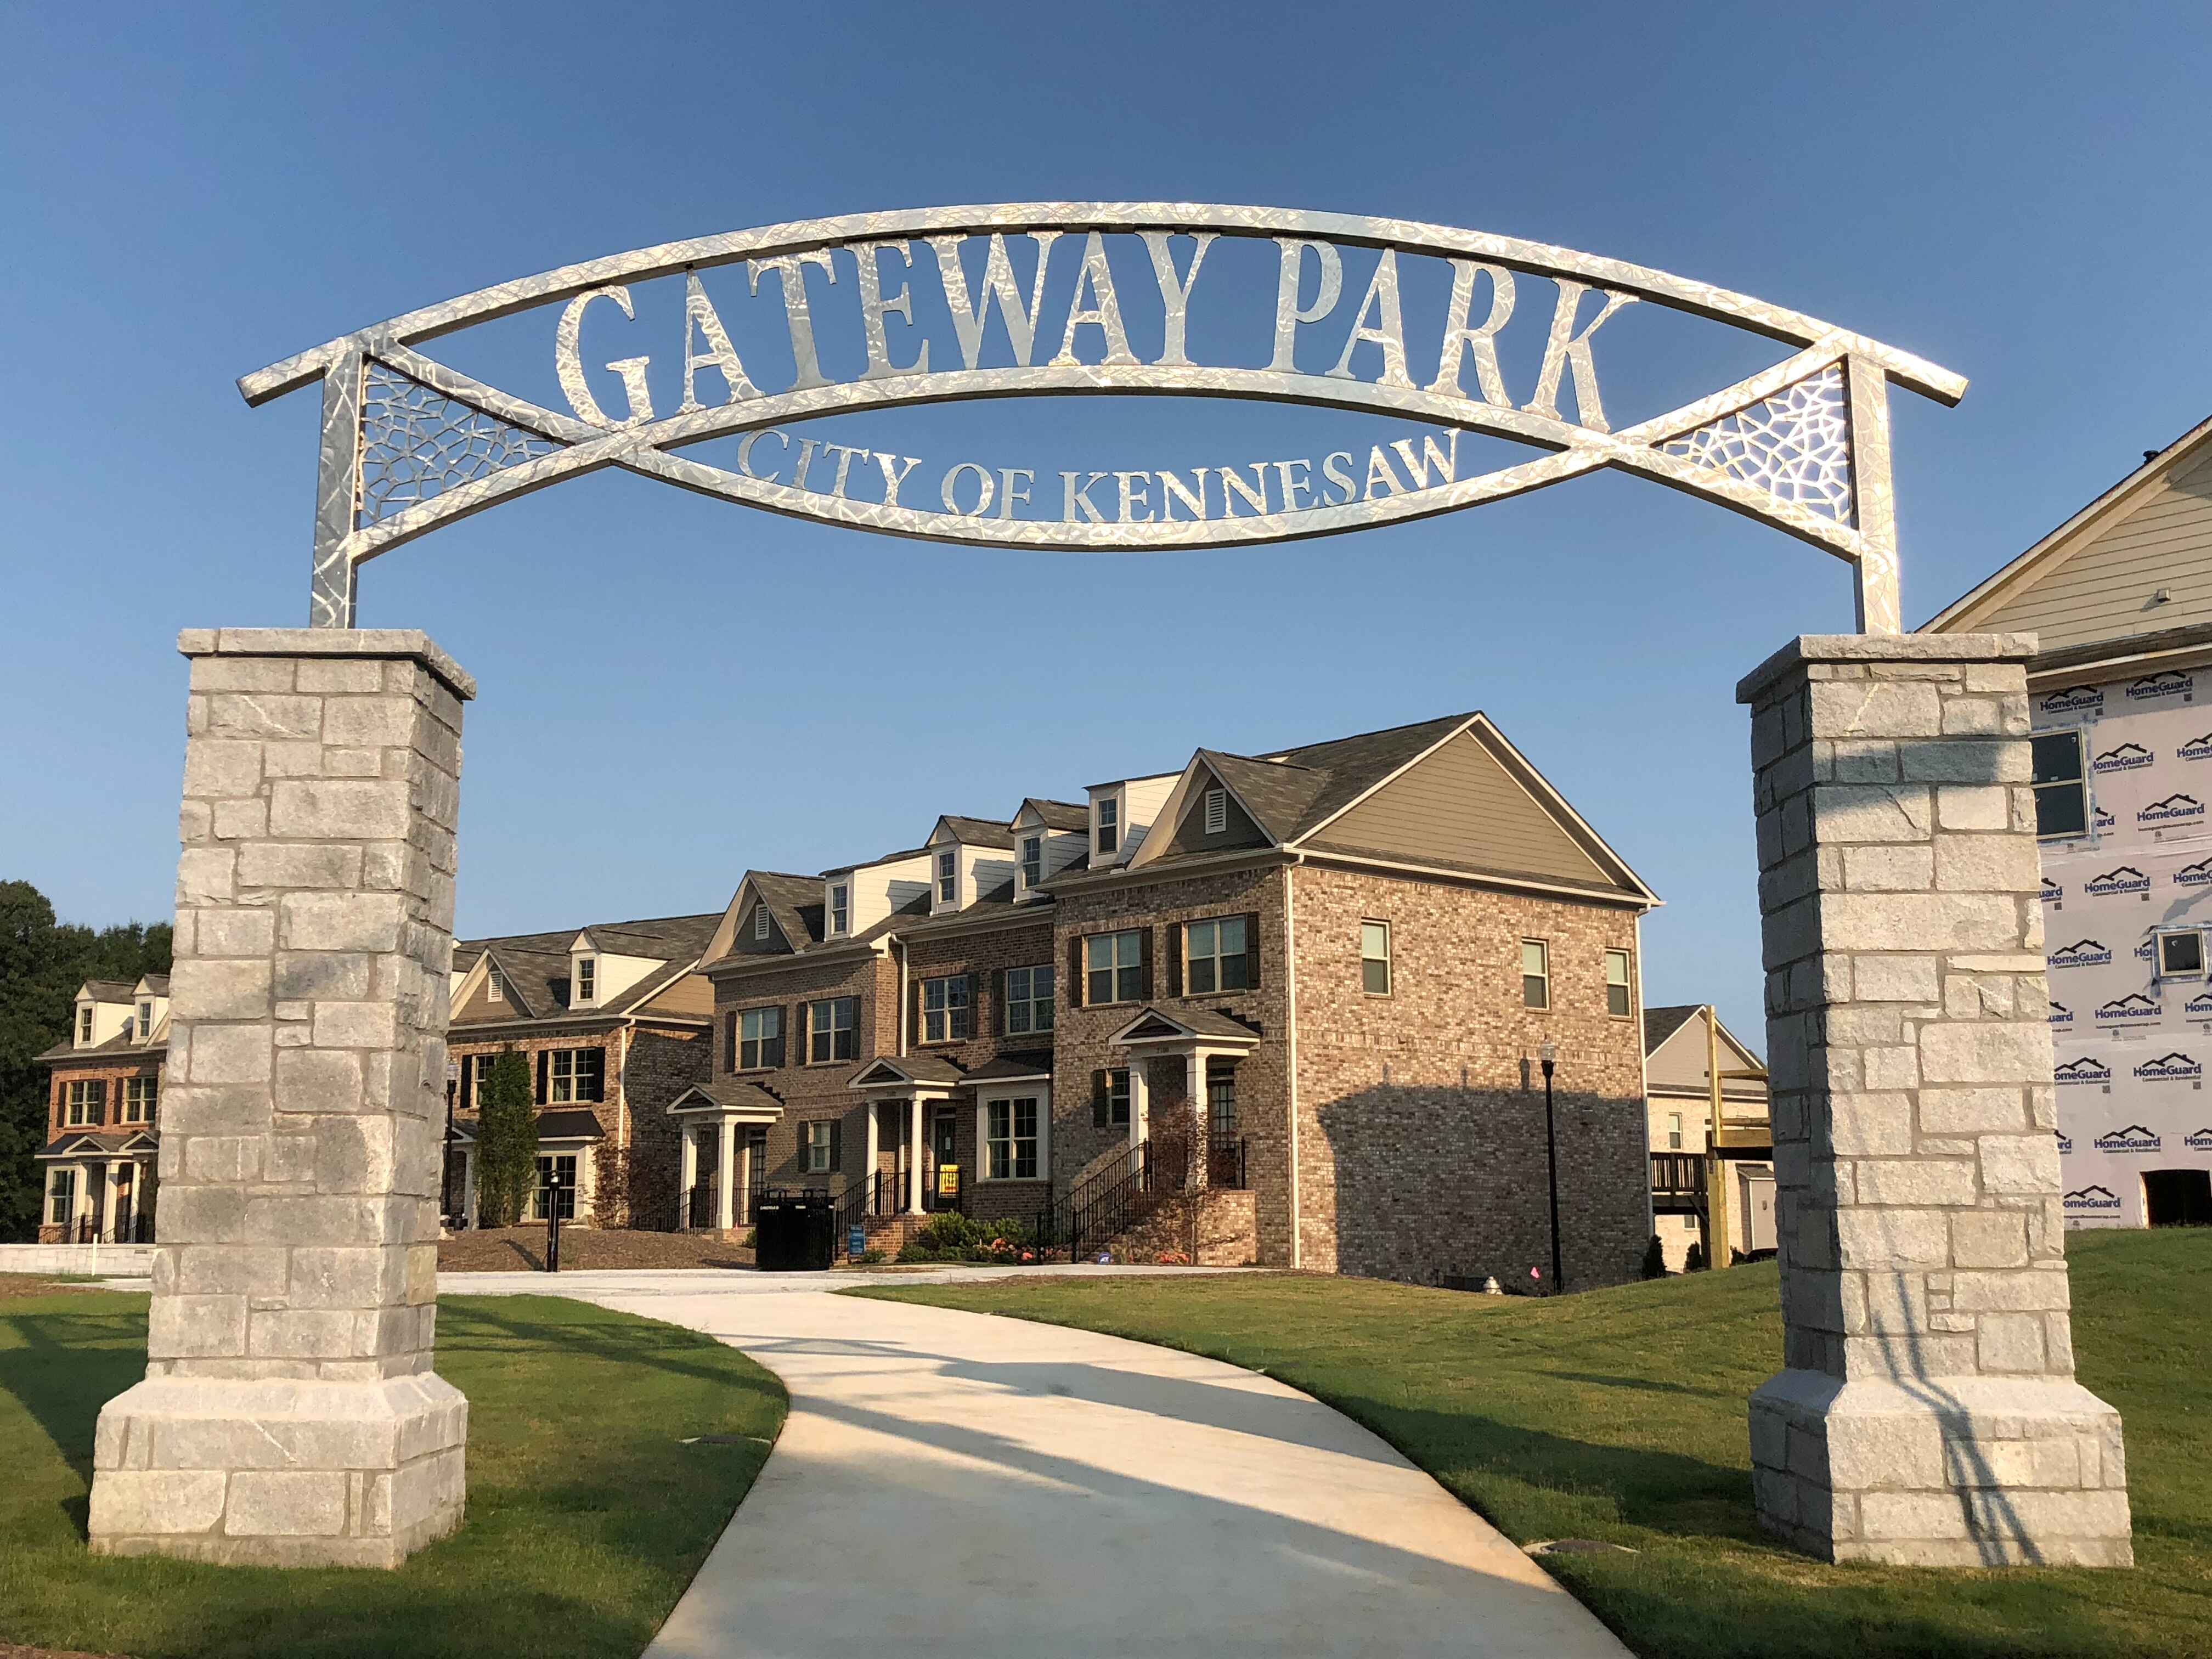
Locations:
{"points": [[409, 443]]}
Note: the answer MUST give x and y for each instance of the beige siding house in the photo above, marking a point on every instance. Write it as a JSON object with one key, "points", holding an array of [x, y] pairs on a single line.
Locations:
{"points": [[1679, 1043]]}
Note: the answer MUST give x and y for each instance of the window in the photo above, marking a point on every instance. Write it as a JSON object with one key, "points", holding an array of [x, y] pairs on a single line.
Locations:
{"points": [[88, 1103], [830, 1029], [814, 1147], [141, 1095], [760, 1039], [1213, 956], [61, 1208], [1616, 983], [841, 908], [948, 878], [1375, 959], [587, 978], [1217, 811], [564, 1165], [1109, 1099], [945, 1009], [84, 1024], [1032, 860], [1011, 1139], [1674, 1132], [2181, 955], [2061, 804], [495, 987], [145, 1021], [1221, 1104], [1028, 1000], [1110, 825], [1536, 974], [1114, 967], [577, 1074], [760, 921]]}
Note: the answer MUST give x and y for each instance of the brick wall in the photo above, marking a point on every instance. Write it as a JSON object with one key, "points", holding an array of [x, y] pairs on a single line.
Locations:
{"points": [[1421, 1139], [645, 1177], [1080, 1048], [811, 1092]]}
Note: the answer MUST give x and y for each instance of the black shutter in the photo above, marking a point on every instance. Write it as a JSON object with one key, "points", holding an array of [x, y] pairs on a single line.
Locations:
{"points": [[1077, 989], [730, 1042], [914, 1012], [999, 1002], [784, 1023], [544, 1059], [600, 1075], [1099, 1104], [1175, 959], [1252, 952], [836, 1145], [1145, 958], [974, 1025]]}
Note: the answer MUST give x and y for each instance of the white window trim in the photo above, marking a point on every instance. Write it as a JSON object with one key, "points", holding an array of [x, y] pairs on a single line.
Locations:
{"points": [[806, 1147], [1021, 862], [1521, 962], [145, 1021], [1116, 970], [1217, 958], [1388, 958], [1106, 815], [760, 1014], [2080, 781], [939, 878], [2159, 938], [1032, 968], [840, 908], [587, 979], [922, 1036], [1042, 1093], [854, 1028]]}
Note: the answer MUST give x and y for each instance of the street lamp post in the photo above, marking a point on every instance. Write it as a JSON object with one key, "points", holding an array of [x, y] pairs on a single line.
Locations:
{"points": [[1549, 1052]]}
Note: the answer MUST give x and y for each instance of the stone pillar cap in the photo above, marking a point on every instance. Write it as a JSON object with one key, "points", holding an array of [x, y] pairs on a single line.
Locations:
{"points": [[1807, 648], [410, 644]]}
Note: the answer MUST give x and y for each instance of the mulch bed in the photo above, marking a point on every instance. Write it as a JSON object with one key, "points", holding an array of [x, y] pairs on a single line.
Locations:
{"points": [[522, 1250], [32, 1284]]}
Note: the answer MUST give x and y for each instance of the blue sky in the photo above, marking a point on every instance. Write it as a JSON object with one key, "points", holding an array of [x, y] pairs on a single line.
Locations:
{"points": [[676, 689]]}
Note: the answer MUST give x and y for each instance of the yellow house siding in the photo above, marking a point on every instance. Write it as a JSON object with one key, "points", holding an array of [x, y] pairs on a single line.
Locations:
{"points": [[2102, 589], [1460, 806]]}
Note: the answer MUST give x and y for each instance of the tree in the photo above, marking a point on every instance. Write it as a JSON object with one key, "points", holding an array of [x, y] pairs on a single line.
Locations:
{"points": [[507, 1141], [42, 962]]}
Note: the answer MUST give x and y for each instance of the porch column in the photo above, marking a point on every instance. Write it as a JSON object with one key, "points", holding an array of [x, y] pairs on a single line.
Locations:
{"points": [[690, 1179], [1194, 1084], [1927, 1414], [469, 1185], [290, 1415], [914, 1163], [741, 1194], [875, 1153], [1140, 1100], [81, 1217], [725, 1168], [105, 1227]]}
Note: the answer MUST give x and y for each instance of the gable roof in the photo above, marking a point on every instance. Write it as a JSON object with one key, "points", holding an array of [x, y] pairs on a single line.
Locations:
{"points": [[108, 990], [534, 967], [976, 832], [1069, 816], [1660, 1024], [2094, 577]]}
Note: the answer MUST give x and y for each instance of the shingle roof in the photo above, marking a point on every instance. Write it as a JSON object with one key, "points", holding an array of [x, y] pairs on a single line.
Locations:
{"points": [[1660, 1023], [1066, 815], [1026, 1064], [535, 966], [570, 1123], [116, 1047], [980, 832], [731, 1095], [157, 985], [111, 990], [1357, 764], [1278, 795]]}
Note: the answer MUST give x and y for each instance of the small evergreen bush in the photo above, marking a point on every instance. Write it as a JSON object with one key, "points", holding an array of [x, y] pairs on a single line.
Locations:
{"points": [[1655, 1259]]}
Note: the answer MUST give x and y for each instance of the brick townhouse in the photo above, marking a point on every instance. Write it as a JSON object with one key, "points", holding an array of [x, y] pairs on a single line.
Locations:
{"points": [[103, 1100], [1311, 986], [612, 1022]]}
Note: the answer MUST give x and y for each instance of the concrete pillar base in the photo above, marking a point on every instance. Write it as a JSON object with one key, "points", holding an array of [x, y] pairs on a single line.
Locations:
{"points": [[279, 1471], [1945, 1472]]}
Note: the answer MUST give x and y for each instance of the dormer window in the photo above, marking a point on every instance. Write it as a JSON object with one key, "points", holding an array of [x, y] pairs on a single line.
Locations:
{"points": [[948, 878], [1217, 811], [1032, 861], [760, 921], [84, 1024], [841, 908], [1109, 825], [587, 978], [145, 1021], [495, 987]]}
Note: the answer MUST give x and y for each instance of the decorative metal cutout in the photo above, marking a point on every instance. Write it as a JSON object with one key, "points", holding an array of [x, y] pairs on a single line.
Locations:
{"points": [[409, 444], [1796, 446], [416, 443]]}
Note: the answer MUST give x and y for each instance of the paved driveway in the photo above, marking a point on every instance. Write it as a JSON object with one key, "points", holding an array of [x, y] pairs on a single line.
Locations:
{"points": [[952, 1484]]}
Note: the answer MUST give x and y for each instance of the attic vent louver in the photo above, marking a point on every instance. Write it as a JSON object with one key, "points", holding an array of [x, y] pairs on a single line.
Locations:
{"points": [[1217, 811]]}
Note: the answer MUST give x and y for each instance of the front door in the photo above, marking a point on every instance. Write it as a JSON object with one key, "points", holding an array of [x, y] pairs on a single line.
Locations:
{"points": [[941, 1186]]}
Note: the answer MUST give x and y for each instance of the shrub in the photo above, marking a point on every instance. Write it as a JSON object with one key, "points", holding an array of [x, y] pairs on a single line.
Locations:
{"points": [[507, 1141], [953, 1237], [1695, 1262], [1655, 1259]]}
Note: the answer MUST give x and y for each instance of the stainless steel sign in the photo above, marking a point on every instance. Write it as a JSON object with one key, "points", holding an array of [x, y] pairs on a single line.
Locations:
{"points": [[410, 443]]}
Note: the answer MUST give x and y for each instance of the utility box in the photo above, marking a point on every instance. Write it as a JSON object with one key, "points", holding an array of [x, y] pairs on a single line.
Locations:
{"points": [[795, 1231]]}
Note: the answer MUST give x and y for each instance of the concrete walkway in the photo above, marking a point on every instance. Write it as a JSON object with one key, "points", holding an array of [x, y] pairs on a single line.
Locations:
{"points": [[952, 1484]]}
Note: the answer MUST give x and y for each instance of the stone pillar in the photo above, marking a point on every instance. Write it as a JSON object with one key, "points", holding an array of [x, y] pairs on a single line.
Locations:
{"points": [[1928, 1413], [290, 1415]]}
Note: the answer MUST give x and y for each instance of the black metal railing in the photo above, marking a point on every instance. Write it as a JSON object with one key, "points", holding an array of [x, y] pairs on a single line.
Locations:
{"points": [[876, 1194], [1226, 1161], [1104, 1201], [699, 1206], [128, 1229]]}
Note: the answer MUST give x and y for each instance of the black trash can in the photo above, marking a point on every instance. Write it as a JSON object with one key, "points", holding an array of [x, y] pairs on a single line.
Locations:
{"points": [[795, 1231]]}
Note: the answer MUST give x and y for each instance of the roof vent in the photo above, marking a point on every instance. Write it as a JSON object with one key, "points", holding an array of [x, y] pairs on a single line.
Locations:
{"points": [[2150, 455]]}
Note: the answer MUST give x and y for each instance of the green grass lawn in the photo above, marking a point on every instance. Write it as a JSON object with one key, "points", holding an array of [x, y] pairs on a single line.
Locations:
{"points": [[1619, 1415], [586, 1516]]}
